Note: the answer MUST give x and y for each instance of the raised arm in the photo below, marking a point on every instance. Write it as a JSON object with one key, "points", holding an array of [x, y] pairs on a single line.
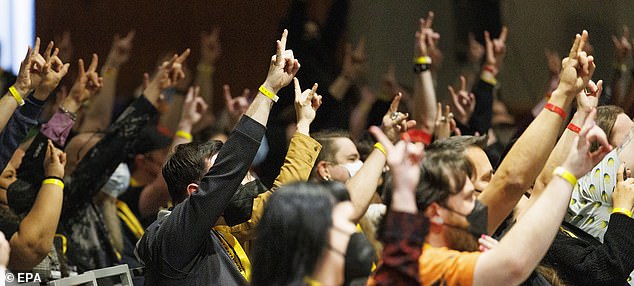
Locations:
{"points": [[507, 264], [200, 212], [527, 157], [353, 70], [424, 91], [33, 240], [210, 51], [99, 114], [362, 185], [622, 50]]}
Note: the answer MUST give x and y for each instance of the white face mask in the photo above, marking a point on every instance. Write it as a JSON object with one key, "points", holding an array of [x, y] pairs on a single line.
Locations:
{"points": [[118, 182], [353, 167]]}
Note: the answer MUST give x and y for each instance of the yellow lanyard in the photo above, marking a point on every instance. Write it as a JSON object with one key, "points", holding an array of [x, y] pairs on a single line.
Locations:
{"points": [[126, 215], [235, 251]]}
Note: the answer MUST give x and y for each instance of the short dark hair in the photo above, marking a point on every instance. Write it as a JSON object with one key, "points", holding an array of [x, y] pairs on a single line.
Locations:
{"points": [[606, 117], [188, 165], [444, 172], [461, 141], [328, 147], [292, 234]]}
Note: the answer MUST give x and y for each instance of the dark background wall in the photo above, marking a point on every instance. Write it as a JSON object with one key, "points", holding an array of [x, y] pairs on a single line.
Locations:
{"points": [[249, 29]]}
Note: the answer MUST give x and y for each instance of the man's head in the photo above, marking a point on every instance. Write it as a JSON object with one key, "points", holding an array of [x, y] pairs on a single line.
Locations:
{"points": [[447, 196], [187, 166], [338, 159], [474, 150], [614, 122], [151, 149], [77, 148]]}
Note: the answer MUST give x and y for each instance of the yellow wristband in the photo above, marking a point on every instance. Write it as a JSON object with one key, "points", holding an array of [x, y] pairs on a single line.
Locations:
{"points": [[379, 146], [268, 93], [57, 182], [422, 60], [16, 95], [489, 78], [566, 175], [184, 134], [622, 211]]}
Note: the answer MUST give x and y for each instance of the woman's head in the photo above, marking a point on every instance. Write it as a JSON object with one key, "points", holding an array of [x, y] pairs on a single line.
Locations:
{"points": [[292, 234], [614, 122]]}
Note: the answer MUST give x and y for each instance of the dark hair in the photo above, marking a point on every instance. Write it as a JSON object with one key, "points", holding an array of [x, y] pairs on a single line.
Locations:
{"points": [[188, 164], [292, 234], [444, 173], [606, 117], [460, 141], [328, 147]]}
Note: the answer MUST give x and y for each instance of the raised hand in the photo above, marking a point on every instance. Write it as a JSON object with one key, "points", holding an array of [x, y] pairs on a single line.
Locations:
{"points": [[463, 101], [622, 45], [404, 160], [354, 61], [210, 49], [236, 106], [394, 122], [56, 70], [194, 107], [54, 162], [306, 105], [587, 100], [623, 196], [476, 50], [31, 70], [577, 68], [5, 251], [580, 161], [426, 43], [445, 122], [170, 72], [283, 66], [495, 49], [553, 60], [86, 85], [120, 50]]}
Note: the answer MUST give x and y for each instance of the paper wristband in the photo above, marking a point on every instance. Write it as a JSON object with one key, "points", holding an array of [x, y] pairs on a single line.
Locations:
{"points": [[418, 135], [422, 60], [16, 95], [379, 146], [268, 93], [574, 128], [184, 135], [556, 109], [622, 211], [566, 175], [56, 182]]}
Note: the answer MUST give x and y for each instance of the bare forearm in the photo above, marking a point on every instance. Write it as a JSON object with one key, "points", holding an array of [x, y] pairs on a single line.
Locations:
{"points": [[359, 119], [339, 87], [99, 114], [261, 107], [523, 163], [205, 80], [424, 101], [363, 184], [7, 107]]}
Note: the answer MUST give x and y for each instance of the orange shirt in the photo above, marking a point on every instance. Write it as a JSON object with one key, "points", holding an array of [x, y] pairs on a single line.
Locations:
{"points": [[443, 266]]}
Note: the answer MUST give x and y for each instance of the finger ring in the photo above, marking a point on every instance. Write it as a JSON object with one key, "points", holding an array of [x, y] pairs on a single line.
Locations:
{"points": [[394, 115], [443, 119]]}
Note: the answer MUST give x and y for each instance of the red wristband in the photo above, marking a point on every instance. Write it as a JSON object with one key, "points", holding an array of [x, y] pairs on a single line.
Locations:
{"points": [[418, 135], [490, 69], [556, 109], [574, 128]]}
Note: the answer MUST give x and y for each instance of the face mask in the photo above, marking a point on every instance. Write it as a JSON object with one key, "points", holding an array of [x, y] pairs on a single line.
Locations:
{"points": [[240, 206], [359, 258], [118, 181], [478, 219], [353, 167]]}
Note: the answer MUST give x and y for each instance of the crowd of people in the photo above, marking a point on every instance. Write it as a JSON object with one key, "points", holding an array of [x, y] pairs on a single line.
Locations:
{"points": [[360, 187]]}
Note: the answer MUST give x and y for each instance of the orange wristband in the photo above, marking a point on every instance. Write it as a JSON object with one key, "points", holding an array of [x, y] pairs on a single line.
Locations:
{"points": [[556, 109]]}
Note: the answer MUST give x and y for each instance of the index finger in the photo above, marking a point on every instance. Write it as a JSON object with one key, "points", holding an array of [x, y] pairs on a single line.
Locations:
{"points": [[93, 63], [620, 174], [313, 91], [430, 19], [575, 47], [463, 83], [47, 52], [395, 102], [130, 35], [183, 56], [298, 89], [626, 31], [36, 47], [584, 40], [227, 92], [82, 70], [503, 34], [283, 40]]}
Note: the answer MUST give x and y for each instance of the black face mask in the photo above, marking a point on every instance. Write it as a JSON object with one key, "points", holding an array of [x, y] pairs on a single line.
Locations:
{"points": [[359, 258], [478, 219], [240, 206]]}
